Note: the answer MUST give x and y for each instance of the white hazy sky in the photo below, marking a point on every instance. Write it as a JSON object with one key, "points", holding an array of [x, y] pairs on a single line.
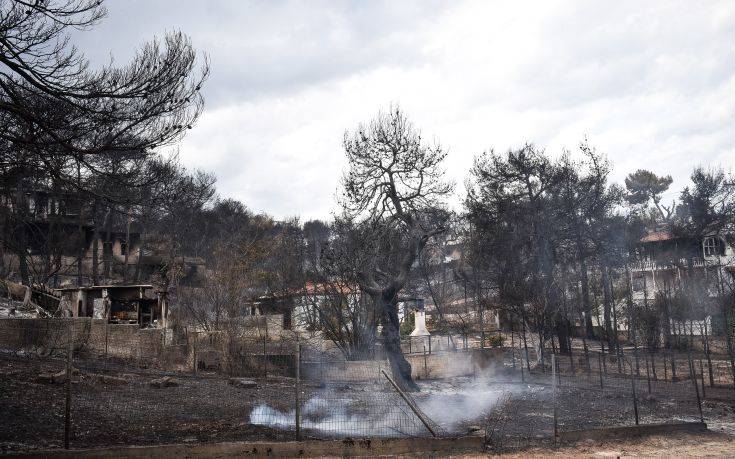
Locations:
{"points": [[651, 84]]}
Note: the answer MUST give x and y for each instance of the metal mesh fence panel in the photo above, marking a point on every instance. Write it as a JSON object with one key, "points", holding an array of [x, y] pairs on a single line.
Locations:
{"points": [[133, 386]]}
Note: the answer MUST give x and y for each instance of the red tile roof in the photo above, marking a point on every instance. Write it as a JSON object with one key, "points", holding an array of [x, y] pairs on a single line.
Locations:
{"points": [[657, 236]]}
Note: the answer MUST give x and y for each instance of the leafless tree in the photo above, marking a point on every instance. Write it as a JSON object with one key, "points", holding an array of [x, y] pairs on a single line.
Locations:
{"points": [[392, 195], [332, 303]]}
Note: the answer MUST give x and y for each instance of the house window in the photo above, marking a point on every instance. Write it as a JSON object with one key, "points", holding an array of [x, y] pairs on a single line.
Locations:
{"points": [[637, 284], [710, 246]]}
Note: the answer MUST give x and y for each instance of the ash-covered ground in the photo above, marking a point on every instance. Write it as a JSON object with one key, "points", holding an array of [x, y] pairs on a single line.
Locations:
{"points": [[115, 404]]}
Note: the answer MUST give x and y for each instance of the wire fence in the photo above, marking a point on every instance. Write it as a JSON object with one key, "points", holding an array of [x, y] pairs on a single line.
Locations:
{"points": [[588, 390], [716, 369], [81, 383]]}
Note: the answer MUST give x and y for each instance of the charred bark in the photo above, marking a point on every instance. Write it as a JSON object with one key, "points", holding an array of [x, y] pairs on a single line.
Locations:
{"points": [[563, 334], [607, 305], [107, 246], [401, 369], [586, 306]]}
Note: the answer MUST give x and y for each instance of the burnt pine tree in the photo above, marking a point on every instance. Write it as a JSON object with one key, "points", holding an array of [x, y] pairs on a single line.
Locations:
{"points": [[54, 103], [644, 186], [392, 194]]}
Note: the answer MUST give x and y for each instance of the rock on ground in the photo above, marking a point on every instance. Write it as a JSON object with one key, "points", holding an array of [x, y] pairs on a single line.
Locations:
{"points": [[243, 382], [55, 378], [166, 381], [111, 380]]}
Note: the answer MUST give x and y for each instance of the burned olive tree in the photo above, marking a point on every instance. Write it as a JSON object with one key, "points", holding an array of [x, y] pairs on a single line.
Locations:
{"points": [[392, 198]]}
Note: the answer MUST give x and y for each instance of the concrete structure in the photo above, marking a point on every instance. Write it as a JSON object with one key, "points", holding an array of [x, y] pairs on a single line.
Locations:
{"points": [[122, 304], [95, 336], [314, 448], [420, 324], [423, 366], [419, 315]]}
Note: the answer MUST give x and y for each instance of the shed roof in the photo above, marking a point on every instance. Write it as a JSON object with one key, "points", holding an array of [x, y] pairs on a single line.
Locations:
{"points": [[107, 287]]}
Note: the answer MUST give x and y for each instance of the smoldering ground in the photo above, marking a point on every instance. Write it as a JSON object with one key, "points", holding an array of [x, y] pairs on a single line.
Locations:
{"points": [[376, 409]]}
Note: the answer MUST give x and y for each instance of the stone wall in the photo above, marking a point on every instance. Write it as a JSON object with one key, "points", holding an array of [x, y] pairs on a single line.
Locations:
{"points": [[220, 351], [452, 364], [42, 336], [428, 366], [88, 335]]}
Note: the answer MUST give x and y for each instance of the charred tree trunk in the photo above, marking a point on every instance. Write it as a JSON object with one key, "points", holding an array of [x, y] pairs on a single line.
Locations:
{"points": [[82, 245], [728, 338], [401, 369], [666, 313], [127, 246], [95, 246], [141, 252], [525, 341], [107, 246], [563, 334], [20, 227], [80, 230], [586, 306], [607, 305], [25, 275]]}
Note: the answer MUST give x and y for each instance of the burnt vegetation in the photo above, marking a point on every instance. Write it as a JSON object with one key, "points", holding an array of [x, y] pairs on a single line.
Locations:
{"points": [[544, 242]]}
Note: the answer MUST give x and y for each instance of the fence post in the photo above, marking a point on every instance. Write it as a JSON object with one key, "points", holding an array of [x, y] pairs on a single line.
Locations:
{"points": [[298, 391], [571, 362], [599, 369], [553, 389], [653, 364], [701, 372], [693, 374], [635, 397], [194, 347], [637, 362], [410, 340], [648, 374], [106, 344], [429, 344], [106, 338], [673, 365], [265, 357], [523, 377], [140, 348], [426, 371], [67, 401]]}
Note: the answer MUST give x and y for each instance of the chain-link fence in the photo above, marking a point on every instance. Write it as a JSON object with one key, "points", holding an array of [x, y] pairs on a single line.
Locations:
{"points": [[132, 386]]}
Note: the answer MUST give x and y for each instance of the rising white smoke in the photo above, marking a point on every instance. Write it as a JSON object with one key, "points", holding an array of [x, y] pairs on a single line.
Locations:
{"points": [[380, 412], [341, 416]]}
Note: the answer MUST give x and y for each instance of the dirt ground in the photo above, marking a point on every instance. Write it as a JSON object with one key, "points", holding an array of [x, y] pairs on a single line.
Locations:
{"points": [[204, 407], [708, 444]]}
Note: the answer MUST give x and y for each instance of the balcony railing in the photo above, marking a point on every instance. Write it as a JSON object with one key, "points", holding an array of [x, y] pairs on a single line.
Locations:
{"points": [[659, 265]]}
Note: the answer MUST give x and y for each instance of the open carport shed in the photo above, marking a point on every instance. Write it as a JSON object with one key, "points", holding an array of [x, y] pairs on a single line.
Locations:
{"points": [[131, 304]]}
